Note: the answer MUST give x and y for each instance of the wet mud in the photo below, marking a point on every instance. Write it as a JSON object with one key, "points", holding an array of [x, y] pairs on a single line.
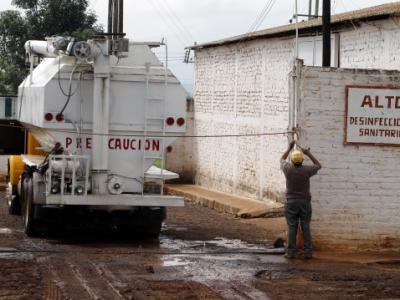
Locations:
{"points": [[200, 254]]}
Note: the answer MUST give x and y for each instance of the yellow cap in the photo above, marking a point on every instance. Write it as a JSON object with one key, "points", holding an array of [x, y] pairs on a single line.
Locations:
{"points": [[297, 157]]}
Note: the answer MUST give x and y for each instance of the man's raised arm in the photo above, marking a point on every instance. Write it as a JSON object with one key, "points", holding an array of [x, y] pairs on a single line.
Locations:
{"points": [[286, 154], [309, 154]]}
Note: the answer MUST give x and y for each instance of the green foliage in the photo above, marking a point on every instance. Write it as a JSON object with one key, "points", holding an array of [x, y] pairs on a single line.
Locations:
{"points": [[42, 18], [13, 34]]}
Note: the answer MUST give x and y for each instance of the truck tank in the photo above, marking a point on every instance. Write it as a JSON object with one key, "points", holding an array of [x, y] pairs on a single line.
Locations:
{"points": [[99, 114]]}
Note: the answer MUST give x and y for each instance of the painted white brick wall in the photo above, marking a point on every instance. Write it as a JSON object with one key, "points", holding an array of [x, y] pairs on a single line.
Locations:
{"points": [[356, 196], [242, 89], [374, 45]]}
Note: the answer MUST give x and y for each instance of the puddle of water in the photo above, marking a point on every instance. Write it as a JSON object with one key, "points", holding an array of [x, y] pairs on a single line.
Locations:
{"points": [[5, 231], [216, 245], [235, 244], [16, 255], [7, 249], [12, 253], [171, 261], [167, 227]]}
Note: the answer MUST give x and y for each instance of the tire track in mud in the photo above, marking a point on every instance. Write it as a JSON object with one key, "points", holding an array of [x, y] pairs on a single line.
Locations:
{"points": [[61, 275], [236, 291], [51, 290], [148, 280], [249, 293], [76, 278]]}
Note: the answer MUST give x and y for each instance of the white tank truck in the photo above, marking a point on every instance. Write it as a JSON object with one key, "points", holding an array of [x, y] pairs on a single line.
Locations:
{"points": [[99, 113]]}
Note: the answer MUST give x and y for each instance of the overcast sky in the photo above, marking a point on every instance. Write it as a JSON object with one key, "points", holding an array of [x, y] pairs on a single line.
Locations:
{"points": [[182, 22]]}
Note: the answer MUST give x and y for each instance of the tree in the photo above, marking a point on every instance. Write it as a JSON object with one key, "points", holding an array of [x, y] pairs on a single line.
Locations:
{"points": [[13, 34], [41, 19]]}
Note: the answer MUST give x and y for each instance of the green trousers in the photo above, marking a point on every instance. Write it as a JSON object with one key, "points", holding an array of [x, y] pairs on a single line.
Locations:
{"points": [[298, 211]]}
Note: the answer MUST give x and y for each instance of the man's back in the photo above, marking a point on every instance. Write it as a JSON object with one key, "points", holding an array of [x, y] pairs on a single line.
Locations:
{"points": [[298, 180]]}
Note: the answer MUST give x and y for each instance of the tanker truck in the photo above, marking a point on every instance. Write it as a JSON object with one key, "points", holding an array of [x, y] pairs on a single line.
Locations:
{"points": [[98, 114]]}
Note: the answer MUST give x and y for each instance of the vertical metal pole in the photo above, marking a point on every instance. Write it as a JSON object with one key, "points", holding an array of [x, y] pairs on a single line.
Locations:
{"points": [[100, 128], [310, 9], [326, 28], [296, 8], [316, 7], [115, 18], [110, 15], [121, 16]]}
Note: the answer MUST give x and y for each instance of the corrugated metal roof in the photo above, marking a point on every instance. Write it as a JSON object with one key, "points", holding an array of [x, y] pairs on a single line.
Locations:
{"points": [[375, 12]]}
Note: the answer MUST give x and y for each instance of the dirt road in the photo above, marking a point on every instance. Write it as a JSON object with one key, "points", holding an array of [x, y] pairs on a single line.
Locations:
{"points": [[200, 255]]}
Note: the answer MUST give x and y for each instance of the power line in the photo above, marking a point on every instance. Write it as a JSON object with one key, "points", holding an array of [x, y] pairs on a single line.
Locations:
{"points": [[253, 25], [262, 15], [157, 136], [182, 41], [178, 22], [173, 21]]}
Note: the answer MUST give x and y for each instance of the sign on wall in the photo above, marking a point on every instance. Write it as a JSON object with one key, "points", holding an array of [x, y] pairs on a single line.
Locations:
{"points": [[373, 115]]}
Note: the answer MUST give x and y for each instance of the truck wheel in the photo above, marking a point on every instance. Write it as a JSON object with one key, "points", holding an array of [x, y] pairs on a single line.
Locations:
{"points": [[13, 201], [30, 225], [153, 231], [146, 223], [14, 206]]}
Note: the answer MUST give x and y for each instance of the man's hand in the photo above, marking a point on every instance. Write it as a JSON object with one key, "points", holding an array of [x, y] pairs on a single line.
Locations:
{"points": [[286, 154], [307, 152], [304, 150]]}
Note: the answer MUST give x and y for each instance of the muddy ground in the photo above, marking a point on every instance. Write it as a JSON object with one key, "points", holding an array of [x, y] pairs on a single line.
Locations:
{"points": [[201, 254]]}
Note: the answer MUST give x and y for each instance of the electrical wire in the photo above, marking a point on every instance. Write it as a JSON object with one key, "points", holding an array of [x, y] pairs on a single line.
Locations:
{"points": [[59, 82], [259, 16], [351, 21], [83, 132], [70, 88], [175, 19], [265, 11], [182, 41], [262, 15]]}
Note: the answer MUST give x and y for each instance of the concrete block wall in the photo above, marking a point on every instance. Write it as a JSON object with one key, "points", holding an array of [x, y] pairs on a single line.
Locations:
{"points": [[242, 89], [373, 45], [356, 196]]}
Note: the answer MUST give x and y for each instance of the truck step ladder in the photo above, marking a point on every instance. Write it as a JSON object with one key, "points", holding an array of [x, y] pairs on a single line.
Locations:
{"points": [[154, 131]]}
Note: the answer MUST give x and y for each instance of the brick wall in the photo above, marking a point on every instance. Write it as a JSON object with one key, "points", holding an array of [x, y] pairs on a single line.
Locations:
{"points": [[242, 89], [373, 45], [356, 196]]}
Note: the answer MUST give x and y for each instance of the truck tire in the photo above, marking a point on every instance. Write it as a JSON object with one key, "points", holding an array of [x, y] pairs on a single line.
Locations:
{"points": [[13, 201], [14, 205], [30, 224], [156, 218], [146, 223]]}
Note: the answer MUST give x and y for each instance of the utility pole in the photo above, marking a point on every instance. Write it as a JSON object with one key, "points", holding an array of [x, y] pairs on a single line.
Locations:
{"points": [[326, 28], [115, 17], [316, 8], [310, 9]]}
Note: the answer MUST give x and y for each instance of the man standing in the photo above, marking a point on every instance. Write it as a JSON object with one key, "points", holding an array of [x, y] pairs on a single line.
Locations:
{"points": [[298, 205]]}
